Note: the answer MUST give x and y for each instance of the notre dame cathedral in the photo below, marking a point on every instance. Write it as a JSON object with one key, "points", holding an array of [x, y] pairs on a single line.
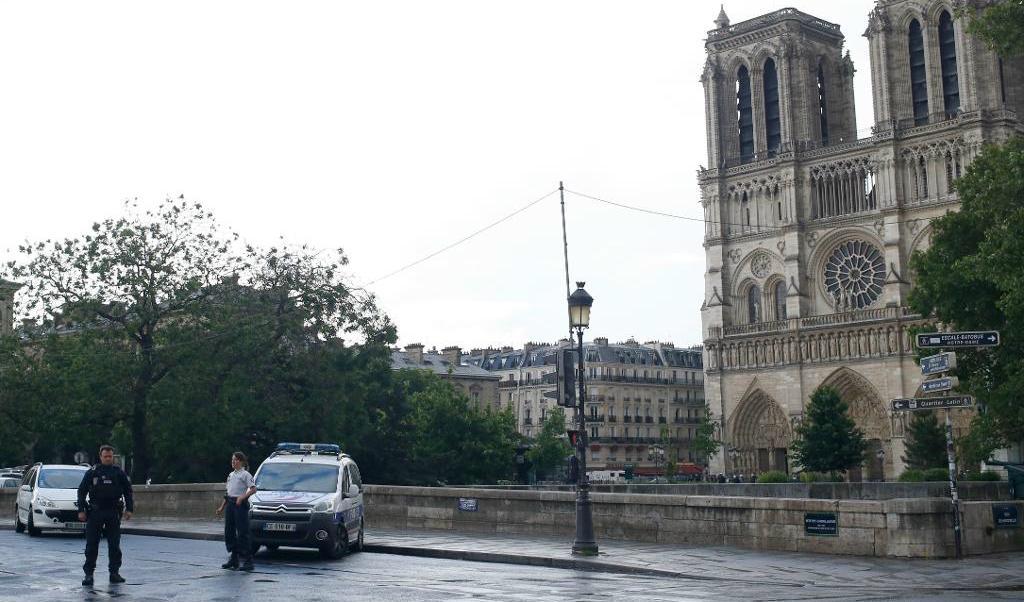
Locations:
{"points": [[811, 227]]}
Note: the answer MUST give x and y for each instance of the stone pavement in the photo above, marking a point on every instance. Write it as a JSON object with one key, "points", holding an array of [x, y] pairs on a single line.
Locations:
{"points": [[998, 572]]}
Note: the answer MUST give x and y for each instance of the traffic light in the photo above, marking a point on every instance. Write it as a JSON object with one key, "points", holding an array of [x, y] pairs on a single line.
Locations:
{"points": [[565, 364]]}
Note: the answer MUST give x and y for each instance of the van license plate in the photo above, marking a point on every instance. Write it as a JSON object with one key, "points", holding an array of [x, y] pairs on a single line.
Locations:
{"points": [[279, 527], [74, 525]]}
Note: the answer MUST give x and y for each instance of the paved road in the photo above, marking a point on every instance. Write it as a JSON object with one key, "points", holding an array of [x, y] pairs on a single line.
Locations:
{"points": [[49, 568]]}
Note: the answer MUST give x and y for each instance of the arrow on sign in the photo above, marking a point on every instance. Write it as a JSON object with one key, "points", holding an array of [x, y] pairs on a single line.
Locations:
{"points": [[932, 403], [940, 384]]}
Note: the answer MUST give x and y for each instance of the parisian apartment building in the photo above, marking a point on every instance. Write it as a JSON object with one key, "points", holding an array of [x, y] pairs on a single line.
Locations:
{"points": [[644, 401]]}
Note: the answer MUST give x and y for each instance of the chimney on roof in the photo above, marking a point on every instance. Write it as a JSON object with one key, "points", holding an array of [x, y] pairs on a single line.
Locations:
{"points": [[453, 354], [601, 341], [506, 349], [415, 352]]}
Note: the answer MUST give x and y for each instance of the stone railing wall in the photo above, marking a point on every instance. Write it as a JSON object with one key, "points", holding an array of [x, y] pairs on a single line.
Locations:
{"points": [[823, 338], [918, 528]]}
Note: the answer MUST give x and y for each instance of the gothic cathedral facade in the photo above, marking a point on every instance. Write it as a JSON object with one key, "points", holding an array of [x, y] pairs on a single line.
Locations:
{"points": [[811, 227]]}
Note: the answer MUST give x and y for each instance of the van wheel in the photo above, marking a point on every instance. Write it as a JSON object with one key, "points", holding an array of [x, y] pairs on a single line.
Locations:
{"points": [[32, 530], [337, 548], [19, 527]]}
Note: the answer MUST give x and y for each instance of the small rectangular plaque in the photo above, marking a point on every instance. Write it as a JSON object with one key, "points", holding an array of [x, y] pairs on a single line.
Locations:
{"points": [[467, 504], [821, 523], [1005, 516]]}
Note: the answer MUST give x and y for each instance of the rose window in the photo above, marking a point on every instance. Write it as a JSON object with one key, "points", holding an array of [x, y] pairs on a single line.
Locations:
{"points": [[761, 265], [854, 275]]}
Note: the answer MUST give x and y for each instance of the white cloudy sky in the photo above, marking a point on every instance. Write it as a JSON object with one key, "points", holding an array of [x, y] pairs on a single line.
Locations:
{"points": [[391, 129]]}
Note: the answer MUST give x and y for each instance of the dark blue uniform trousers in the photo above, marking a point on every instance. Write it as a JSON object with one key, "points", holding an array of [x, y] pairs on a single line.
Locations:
{"points": [[100, 521], [236, 529]]}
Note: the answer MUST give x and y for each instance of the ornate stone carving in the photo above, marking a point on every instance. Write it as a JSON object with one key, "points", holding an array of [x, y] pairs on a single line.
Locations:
{"points": [[761, 265], [734, 255], [854, 275]]}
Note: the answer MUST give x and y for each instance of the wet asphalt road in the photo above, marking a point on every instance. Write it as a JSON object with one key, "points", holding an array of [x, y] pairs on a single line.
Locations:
{"points": [[49, 568]]}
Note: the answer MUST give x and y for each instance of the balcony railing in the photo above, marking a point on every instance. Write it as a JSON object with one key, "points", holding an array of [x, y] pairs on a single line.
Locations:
{"points": [[627, 419], [612, 419], [527, 420], [661, 420], [595, 418], [649, 419], [825, 320]]}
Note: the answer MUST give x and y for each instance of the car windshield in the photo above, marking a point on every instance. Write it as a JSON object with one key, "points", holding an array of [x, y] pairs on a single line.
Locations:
{"points": [[60, 478], [9, 482], [313, 478]]}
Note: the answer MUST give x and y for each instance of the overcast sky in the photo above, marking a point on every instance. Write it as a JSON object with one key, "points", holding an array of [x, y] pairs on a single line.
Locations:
{"points": [[392, 129]]}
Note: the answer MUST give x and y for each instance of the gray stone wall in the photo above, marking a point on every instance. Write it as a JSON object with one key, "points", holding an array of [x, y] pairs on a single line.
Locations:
{"points": [[916, 528]]}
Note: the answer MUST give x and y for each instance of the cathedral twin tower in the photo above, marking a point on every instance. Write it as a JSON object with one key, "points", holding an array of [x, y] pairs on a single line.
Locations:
{"points": [[811, 224]]}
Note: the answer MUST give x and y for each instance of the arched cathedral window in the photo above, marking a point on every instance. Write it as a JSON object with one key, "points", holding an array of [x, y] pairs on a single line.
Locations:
{"points": [[918, 77], [822, 105], [744, 115], [773, 131], [754, 304], [779, 295], [947, 54]]}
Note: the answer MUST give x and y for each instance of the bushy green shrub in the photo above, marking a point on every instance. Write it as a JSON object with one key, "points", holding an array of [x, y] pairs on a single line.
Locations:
{"points": [[912, 475], [936, 474], [821, 477], [988, 475], [773, 476]]}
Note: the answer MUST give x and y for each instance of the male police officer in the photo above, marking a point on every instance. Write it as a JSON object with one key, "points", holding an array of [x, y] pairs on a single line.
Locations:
{"points": [[105, 484]]}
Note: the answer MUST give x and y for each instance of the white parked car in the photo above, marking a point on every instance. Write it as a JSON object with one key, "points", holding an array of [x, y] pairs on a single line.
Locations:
{"points": [[48, 498]]}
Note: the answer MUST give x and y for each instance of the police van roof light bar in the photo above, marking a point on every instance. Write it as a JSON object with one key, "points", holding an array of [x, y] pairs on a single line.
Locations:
{"points": [[309, 448]]}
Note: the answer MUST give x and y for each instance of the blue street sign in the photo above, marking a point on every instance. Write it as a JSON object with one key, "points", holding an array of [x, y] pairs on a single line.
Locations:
{"points": [[987, 338], [932, 403], [940, 384], [936, 364]]}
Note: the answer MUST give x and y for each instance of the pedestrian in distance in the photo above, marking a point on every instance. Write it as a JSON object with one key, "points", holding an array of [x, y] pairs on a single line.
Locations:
{"points": [[105, 485], [235, 507]]}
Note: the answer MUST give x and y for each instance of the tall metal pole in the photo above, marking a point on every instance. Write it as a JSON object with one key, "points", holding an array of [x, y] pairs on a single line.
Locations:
{"points": [[584, 544], [565, 250], [951, 457]]}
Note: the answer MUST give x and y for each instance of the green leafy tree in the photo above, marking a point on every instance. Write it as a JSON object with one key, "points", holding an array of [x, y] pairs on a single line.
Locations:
{"points": [[972, 278], [704, 444], [925, 442], [551, 447], [827, 439], [1000, 26]]}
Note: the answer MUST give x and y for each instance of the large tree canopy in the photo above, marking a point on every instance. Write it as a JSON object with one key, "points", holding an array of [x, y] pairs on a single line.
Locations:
{"points": [[972, 278]]}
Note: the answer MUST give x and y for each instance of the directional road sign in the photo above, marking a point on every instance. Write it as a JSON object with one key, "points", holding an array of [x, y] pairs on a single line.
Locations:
{"points": [[940, 384], [986, 338], [932, 403], [939, 363]]}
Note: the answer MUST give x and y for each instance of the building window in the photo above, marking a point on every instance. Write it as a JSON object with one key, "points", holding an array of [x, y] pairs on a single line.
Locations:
{"points": [[780, 300], [773, 130], [918, 76], [822, 105], [753, 304], [854, 275], [947, 54], [744, 115]]}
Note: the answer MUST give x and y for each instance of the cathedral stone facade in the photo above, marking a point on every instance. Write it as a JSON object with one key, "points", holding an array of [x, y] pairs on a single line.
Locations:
{"points": [[810, 226]]}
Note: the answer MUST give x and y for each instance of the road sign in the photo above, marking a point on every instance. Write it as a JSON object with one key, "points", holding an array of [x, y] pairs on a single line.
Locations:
{"points": [[932, 403], [939, 363], [940, 384], [986, 338]]}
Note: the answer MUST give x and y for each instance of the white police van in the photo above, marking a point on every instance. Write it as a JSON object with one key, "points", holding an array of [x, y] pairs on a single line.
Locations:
{"points": [[308, 495]]}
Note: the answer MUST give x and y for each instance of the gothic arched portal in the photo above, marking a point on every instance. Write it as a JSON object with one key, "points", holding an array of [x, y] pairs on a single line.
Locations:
{"points": [[870, 415], [760, 435]]}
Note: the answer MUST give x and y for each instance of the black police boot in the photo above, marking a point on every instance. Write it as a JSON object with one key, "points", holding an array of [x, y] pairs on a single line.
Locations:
{"points": [[88, 579], [232, 563], [116, 577], [247, 565]]}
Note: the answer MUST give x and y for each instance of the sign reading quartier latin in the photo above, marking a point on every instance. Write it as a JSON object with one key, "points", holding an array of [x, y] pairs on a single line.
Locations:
{"points": [[932, 403], [987, 338]]}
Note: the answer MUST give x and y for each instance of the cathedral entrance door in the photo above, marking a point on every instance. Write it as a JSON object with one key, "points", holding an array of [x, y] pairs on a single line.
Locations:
{"points": [[873, 461], [763, 464], [780, 460]]}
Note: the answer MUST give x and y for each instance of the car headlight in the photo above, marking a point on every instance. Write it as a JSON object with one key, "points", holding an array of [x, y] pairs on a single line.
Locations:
{"points": [[45, 502], [322, 507]]}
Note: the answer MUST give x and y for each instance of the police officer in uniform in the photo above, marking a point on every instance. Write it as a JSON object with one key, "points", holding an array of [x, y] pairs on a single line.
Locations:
{"points": [[105, 484]]}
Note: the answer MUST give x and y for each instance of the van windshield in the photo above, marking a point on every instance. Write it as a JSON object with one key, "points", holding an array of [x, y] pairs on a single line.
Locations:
{"points": [[312, 478], [61, 478]]}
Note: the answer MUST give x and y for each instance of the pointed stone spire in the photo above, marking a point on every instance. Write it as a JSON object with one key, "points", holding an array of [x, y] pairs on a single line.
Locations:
{"points": [[723, 19]]}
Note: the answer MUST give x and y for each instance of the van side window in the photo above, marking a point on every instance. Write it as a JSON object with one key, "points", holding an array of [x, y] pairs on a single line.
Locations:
{"points": [[345, 481], [356, 477], [30, 477]]}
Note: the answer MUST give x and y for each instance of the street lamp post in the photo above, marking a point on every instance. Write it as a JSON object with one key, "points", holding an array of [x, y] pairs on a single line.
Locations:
{"points": [[579, 318]]}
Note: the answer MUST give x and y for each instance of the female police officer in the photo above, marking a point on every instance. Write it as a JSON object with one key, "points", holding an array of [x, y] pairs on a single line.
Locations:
{"points": [[240, 485]]}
